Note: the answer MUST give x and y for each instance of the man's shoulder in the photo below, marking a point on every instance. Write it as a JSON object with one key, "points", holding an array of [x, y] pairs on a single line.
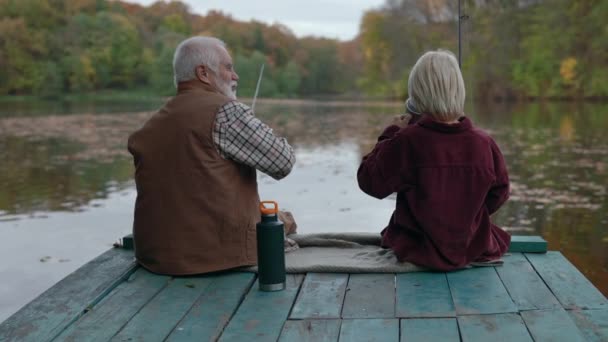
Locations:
{"points": [[235, 106], [234, 109]]}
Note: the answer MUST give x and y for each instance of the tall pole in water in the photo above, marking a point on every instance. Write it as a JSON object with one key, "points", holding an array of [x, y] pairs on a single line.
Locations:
{"points": [[459, 36]]}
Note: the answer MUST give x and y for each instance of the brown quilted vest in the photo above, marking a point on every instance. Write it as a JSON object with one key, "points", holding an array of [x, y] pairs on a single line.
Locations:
{"points": [[195, 211]]}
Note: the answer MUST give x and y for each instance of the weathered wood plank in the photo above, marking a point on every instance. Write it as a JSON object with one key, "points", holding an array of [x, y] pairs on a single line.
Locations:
{"points": [[106, 318], [524, 285], [496, 328], [424, 294], [262, 314], [592, 323], [159, 316], [212, 311], [429, 329], [370, 296], [321, 296], [50, 313], [527, 244], [551, 325], [479, 291], [322, 330], [566, 282], [369, 330]]}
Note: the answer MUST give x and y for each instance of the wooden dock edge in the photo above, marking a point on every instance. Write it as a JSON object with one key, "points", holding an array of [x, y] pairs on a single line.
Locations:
{"points": [[51, 312], [527, 244], [47, 316], [519, 244]]}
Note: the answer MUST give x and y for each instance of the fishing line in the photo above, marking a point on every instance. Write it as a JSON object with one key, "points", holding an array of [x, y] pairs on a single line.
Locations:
{"points": [[464, 33]]}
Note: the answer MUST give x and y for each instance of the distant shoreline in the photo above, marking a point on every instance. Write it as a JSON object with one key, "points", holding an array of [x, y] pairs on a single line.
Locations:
{"points": [[144, 95]]}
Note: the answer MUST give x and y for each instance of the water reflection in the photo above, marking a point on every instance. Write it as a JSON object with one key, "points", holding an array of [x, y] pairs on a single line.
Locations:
{"points": [[557, 158]]}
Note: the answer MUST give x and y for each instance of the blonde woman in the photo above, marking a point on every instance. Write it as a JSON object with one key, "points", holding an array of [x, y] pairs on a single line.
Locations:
{"points": [[448, 175]]}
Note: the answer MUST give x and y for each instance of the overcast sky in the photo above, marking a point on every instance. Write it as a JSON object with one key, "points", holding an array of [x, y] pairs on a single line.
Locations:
{"points": [[328, 18]]}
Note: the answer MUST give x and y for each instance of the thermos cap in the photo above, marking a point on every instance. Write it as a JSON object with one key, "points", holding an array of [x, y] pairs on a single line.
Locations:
{"points": [[269, 211]]}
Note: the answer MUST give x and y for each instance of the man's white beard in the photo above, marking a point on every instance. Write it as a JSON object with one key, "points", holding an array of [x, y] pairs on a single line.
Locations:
{"points": [[226, 89]]}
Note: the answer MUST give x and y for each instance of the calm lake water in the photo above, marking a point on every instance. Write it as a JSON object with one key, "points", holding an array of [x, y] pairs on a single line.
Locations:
{"points": [[67, 188]]}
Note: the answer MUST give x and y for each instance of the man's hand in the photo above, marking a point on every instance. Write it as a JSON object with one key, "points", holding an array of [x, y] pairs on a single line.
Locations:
{"points": [[401, 120], [290, 223]]}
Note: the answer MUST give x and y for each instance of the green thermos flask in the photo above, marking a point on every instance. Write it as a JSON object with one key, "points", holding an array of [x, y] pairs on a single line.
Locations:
{"points": [[271, 250]]}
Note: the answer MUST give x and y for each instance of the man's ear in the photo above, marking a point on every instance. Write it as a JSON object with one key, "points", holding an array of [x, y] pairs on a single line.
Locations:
{"points": [[202, 73]]}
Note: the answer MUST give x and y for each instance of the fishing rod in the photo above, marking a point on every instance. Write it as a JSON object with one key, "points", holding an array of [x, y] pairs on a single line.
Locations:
{"points": [[410, 105], [257, 88], [461, 17], [459, 35]]}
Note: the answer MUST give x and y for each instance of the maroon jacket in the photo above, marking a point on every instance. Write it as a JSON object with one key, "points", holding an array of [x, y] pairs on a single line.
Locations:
{"points": [[449, 179]]}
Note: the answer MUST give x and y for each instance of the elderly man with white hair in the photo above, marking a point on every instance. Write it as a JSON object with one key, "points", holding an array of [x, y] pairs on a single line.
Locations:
{"points": [[195, 169], [449, 176]]}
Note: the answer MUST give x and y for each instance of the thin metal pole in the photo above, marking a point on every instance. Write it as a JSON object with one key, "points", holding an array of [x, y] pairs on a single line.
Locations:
{"points": [[257, 88], [459, 37]]}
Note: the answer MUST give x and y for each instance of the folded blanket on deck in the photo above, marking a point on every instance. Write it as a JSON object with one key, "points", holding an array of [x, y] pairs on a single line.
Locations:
{"points": [[342, 253]]}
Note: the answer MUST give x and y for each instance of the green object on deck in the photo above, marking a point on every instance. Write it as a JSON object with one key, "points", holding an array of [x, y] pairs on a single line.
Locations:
{"points": [[270, 235], [127, 242], [527, 244]]}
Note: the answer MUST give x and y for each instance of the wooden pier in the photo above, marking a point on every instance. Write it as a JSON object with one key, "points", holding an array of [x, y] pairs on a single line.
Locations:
{"points": [[532, 297]]}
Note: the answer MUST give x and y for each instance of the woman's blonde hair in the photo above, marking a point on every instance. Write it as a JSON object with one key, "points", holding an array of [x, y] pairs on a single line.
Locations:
{"points": [[437, 87]]}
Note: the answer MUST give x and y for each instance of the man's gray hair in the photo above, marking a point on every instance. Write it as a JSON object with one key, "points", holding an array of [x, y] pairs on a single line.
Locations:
{"points": [[193, 52], [437, 87]]}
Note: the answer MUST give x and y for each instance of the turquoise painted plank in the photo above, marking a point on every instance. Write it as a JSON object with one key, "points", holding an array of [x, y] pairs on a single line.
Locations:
{"points": [[212, 311], [262, 314], [527, 244], [370, 296], [496, 328], [368, 330], [322, 330], [479, 291], [424, 294], [566, 282], [321, 296], [524, 285], [158, 317], [551, 325], [429, 329], [50, 313], [112, 313], [592, 323]]}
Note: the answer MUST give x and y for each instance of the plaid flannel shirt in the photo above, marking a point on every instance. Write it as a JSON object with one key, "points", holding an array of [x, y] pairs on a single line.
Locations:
{"points": [[238, 135]]}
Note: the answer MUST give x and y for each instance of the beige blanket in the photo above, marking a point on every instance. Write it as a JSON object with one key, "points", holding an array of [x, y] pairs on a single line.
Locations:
{"points": [[342, 253]]}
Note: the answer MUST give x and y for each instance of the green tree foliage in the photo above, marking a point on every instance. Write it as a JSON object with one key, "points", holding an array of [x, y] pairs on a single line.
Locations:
{"points": [[51, 47], [511, 49], [288, 79]]}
